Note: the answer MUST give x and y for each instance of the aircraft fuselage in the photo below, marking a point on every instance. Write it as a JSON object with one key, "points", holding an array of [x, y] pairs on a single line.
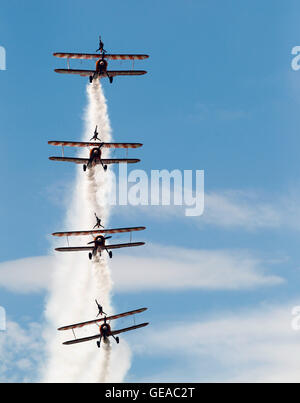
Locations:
{"points": [[99, 244], [105, 331], [95, 157], [101, 66], [101, 70]]}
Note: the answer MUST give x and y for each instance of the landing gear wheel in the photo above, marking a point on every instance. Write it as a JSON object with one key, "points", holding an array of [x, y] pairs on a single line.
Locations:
{"points": [[111, 79], [110, 254], [90, 256], [105, 168], [117, 340], [84, 168], [91, 79], [98, 344]]}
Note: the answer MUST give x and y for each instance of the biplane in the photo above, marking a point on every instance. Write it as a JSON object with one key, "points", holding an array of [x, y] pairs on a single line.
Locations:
{"points": [[105, 330], [95, 156], [98, 245], [101, 69]]}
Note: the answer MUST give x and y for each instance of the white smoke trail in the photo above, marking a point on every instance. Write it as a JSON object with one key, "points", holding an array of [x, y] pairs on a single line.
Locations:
{"points": [[105, 368], [77, 282]]}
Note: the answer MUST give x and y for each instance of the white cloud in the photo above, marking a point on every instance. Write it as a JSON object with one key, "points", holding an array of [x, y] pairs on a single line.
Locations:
{"points": [[26, 275], [215, 112], [250, 346], [241, 210], [154, 267], [21, 352], [233, 209], [173, 268], [252, 210]]}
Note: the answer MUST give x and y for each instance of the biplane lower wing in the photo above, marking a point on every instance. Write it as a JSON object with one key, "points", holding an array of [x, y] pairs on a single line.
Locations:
{"points": [[91, 322], [88, 248], [104, 161], [113, 333], [127, 329], [74, 249], [99, 231], [75, 341], [111, 73], [124, 245], [82, 73], [69, 159], [120, 161]]}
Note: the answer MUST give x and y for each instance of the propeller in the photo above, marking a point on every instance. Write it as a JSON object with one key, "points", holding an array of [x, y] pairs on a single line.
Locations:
{"points": [[105, 237]]}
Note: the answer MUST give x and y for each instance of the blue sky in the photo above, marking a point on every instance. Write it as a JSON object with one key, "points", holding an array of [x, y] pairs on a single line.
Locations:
{"points": [[220, 95]]}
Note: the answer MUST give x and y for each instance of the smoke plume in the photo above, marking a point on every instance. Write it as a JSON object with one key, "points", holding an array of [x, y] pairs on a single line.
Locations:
{"points": [[77, 282]]}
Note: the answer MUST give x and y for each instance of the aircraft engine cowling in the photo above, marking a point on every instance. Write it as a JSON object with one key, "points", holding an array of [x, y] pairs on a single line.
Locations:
{"points": [[95, 153], [99, 240], [101, 66], [105, 330]]}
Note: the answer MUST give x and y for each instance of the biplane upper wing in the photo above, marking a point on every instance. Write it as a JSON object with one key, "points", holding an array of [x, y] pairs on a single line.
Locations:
{"points": [[75, 341], [91, 322], [74, 249], [127, 329], [125, 57], [124, 245], [69, 159], [82, 73], [122, 315], [93, 144], [98, 231], [89, 56]]}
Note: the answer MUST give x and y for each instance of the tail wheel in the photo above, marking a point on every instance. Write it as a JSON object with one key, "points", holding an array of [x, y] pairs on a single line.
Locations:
{"points": [[90, 256]]}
